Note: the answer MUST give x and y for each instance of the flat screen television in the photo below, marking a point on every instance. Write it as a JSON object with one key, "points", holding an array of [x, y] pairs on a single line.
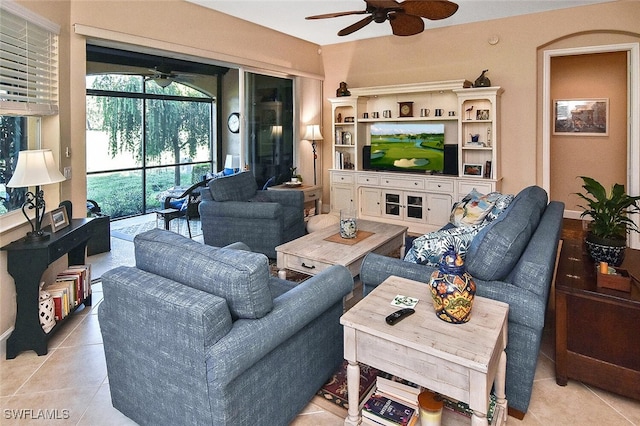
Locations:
{"points": [[407, 147]]}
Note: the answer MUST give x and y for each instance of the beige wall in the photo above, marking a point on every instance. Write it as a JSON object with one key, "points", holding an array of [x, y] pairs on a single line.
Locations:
{"points": [[604, 158], [463, 52]]}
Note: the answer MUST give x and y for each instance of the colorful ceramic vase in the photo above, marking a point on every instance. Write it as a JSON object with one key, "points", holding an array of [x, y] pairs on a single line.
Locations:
{"points": [[452, 289]]}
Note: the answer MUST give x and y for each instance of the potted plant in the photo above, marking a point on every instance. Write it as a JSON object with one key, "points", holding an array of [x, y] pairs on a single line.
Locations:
{"points": [[295, 176], [607, 233]]}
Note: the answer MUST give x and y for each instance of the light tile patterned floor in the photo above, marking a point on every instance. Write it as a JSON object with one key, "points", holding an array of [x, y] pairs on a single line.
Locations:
{"points": [[70, 383]]}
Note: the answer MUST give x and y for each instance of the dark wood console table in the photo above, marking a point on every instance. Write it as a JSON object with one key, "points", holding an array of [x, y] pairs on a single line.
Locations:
{"points": [[26, 262], [597, 328]]}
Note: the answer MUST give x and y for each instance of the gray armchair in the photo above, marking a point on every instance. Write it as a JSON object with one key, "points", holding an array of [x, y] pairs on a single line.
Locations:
{"points": [[233, 209], [199, 335]]}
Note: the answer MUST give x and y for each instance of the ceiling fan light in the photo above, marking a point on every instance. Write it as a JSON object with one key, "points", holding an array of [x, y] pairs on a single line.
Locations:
{"points": [[162, 81]]}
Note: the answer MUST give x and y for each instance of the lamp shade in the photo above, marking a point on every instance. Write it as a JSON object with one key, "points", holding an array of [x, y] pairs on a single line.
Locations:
{"points": [[35, 167], [232, 162], [313, 133]]}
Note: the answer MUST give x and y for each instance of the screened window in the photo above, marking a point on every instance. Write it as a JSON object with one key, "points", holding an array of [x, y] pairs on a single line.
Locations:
{"points": [[143, 140]]}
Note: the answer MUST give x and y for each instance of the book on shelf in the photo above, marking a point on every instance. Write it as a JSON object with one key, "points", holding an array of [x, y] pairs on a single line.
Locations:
{"points": [[370, 422], [396, 390], [85, 273], [81, 275], [59, 291], [388, 411]]}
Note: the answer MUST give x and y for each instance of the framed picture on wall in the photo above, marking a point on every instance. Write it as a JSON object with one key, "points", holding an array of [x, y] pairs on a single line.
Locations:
{"points": [[581, 117]]}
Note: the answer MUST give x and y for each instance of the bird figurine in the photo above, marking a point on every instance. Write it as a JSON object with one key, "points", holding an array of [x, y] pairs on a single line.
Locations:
{"points": [[468, 111]]}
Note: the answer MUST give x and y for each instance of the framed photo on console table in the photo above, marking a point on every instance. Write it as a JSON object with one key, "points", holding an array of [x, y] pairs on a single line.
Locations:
{"points": [[581, 117], [58, 219], [469, 169]]}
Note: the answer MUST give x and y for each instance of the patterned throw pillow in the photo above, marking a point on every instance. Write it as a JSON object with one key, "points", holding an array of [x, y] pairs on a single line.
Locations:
{"points": [[429, 248], [501, 202], [472, 210]]}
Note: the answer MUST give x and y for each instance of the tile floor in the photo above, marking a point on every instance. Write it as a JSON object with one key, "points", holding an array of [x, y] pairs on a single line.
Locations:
{"points": [[69, 385]]}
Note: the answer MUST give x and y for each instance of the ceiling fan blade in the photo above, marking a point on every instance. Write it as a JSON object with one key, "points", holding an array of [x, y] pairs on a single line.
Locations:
{"points": [[383, 4], [337, 14], [355, 27], [405, 25], [430, 9]]}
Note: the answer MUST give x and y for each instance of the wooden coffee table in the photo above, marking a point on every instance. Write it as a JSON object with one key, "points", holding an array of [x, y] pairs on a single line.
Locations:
{"points": [[457, 360], [317, 251]]}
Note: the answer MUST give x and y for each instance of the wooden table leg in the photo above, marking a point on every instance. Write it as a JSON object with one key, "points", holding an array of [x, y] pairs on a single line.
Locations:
{"points": [[500, 384], [353, 390], [479, 419]]}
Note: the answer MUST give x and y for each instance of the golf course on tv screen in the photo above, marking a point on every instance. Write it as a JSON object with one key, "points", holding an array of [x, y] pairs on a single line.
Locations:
{"points": [[407, 147]]}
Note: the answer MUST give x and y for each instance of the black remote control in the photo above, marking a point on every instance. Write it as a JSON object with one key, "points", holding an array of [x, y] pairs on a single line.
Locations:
{"points": [[397, 316]]}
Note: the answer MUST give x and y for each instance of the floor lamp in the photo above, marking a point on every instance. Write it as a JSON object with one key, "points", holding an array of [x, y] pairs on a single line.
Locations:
{"points": [[35, 168], [313, 134]]}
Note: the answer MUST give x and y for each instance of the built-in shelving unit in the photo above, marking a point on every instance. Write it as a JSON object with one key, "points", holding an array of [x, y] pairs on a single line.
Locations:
{"points": [[478, 131], [421, 201]]}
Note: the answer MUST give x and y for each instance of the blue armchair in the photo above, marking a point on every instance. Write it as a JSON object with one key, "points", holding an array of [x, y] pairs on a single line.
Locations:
{"points": [[233, 209], [199, 335]]}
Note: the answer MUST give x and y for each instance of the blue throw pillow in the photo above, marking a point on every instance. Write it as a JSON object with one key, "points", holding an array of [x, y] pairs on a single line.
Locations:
{"points": [[429, 248]]}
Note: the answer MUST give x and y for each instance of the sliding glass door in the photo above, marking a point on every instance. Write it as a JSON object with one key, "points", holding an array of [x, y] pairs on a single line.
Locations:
{"points": [[269, 106]]}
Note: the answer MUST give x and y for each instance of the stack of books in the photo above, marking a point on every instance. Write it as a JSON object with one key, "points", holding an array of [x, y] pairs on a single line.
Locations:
{"points": [[71, 288], [391, 404]]}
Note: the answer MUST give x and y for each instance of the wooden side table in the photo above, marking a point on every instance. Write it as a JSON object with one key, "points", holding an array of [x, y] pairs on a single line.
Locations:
{"points": [[596, 328], [312, 194], [461, 361]]}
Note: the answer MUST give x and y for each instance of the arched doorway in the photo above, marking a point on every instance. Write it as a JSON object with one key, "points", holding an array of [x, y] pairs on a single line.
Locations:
{"points": [[632, 51]]}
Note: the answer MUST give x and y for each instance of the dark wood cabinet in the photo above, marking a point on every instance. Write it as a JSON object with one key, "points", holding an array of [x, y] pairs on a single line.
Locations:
{"points": [[596, 328], [26, 262]]}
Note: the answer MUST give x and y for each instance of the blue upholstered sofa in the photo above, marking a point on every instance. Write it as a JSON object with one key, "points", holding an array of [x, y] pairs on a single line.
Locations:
{"points": [[199, 335], [233, 209], [512, 260]]}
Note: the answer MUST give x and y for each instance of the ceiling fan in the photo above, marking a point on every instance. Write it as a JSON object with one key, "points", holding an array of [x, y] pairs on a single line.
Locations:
{"points": [[405, 17], [163, 76]]}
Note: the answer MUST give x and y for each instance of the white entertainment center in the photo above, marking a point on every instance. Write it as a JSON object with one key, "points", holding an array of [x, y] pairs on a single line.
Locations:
{"points": [[421, 201]]}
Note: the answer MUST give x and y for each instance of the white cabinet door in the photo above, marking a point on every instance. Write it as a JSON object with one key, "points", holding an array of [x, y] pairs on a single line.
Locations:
{"points": [[342, 197], [439, 208], [370, 202]]}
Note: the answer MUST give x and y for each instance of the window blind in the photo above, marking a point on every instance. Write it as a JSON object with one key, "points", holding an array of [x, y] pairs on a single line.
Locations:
{"points": [[28, 62]]}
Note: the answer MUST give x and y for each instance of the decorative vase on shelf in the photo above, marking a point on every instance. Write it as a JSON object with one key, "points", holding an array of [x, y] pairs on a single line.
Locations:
{"points": [[452, 289]]}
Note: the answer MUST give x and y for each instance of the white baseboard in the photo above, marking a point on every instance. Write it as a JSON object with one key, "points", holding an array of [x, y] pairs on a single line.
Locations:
{"points": [[573, 214]]}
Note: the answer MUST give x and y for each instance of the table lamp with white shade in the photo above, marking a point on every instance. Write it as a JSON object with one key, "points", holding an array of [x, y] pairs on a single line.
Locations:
{"points": [[35, 168]]}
